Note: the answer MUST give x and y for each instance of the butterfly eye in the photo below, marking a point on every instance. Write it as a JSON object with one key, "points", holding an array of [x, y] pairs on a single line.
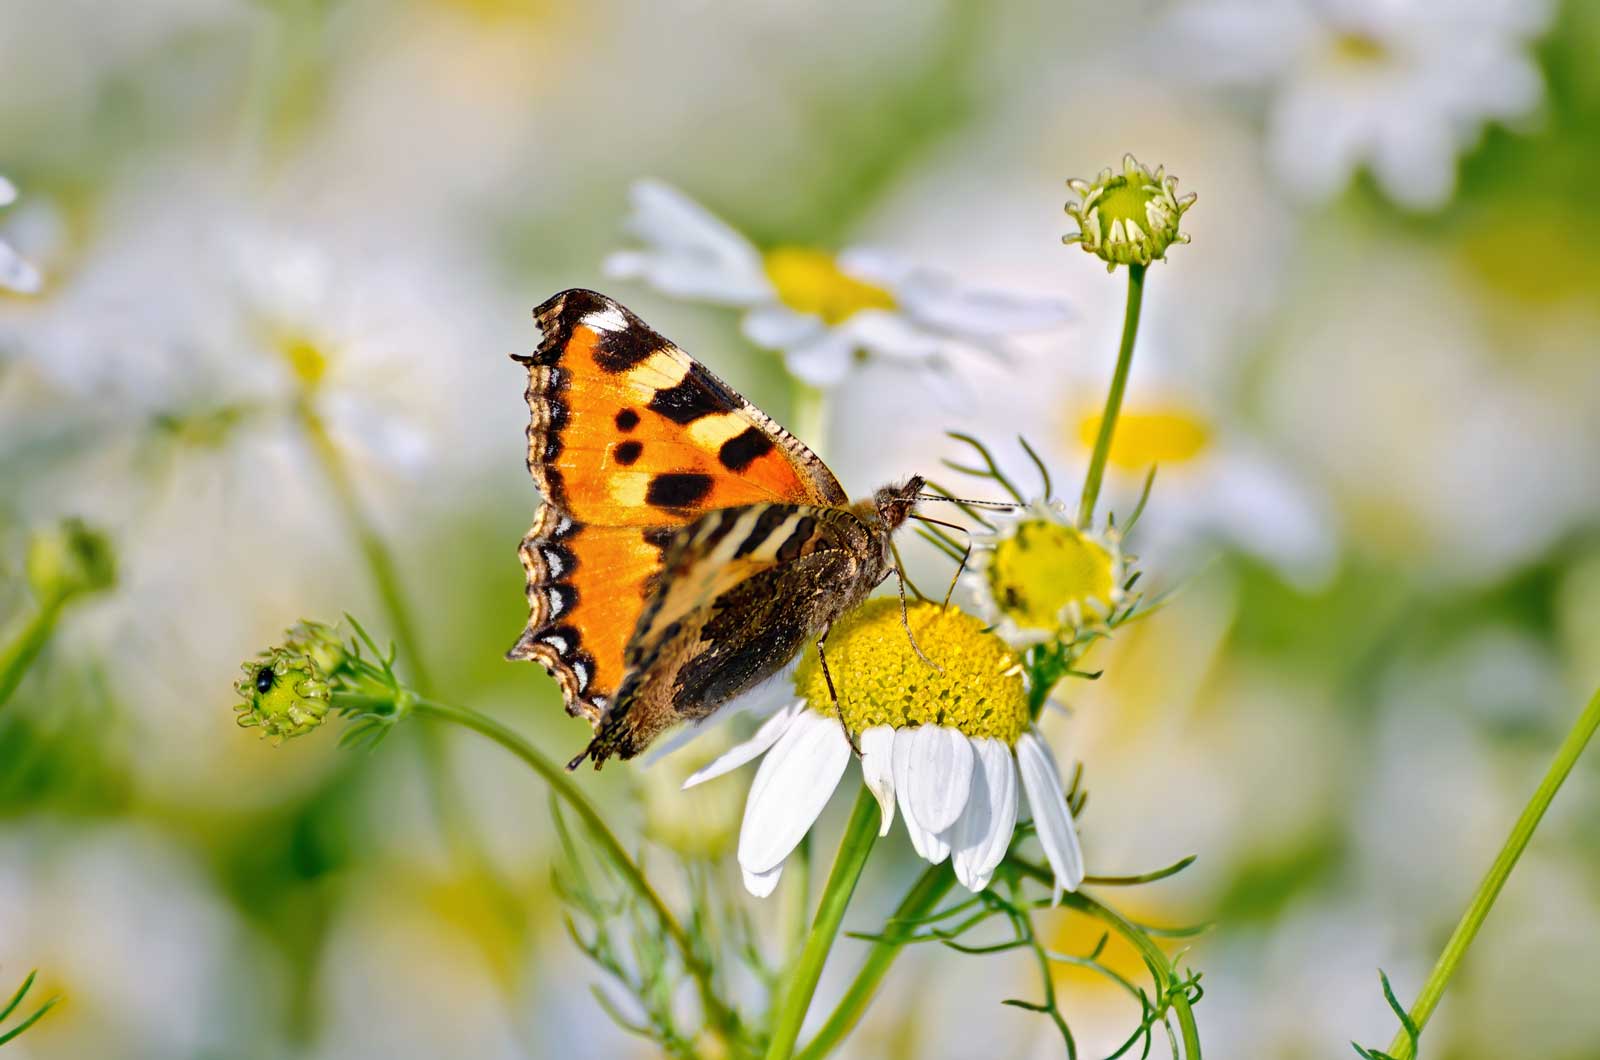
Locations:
{"points": [[264, 679]]}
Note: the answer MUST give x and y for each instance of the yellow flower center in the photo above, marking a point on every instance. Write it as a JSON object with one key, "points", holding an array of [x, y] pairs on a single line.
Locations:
{"points": [[306, 358], [881, 680], [1038, 573], [1358, 48], [1163, 436], [285, 694], [810, 281]]}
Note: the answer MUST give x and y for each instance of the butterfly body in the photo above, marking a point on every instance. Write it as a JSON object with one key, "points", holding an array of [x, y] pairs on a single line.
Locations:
{"points": [[688, 547]]}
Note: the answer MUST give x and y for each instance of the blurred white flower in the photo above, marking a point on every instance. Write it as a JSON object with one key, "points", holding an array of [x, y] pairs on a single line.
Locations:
{"points": [[952, 760], [15, 273], [822, 311], [1400, 86], [131, 934], [1215, 479]]}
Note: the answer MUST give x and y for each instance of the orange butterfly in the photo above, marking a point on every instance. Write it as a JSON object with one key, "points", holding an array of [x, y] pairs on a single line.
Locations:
{"points": [[688, 546]]}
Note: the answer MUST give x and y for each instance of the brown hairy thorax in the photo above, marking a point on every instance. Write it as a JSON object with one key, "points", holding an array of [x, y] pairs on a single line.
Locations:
{"points": [[891, 505]]}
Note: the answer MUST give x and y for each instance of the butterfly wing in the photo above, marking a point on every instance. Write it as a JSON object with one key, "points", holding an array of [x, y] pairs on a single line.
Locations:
{"points": [[629, 439], [743, 590]]}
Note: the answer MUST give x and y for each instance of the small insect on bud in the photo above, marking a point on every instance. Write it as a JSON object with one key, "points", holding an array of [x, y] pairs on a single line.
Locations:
{"points": [[1128, 218], [285, 692], [68, 560]]}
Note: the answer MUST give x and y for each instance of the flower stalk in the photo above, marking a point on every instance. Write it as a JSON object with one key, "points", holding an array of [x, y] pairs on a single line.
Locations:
{"points": [[929, 890], [24, 646], [1119, 384], [854, 848], [1403, 1046]]}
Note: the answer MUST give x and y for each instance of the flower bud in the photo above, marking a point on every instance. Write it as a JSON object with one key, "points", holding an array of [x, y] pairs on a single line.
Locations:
{"points": [[1128, 218], [286, 691], [69, 559]]}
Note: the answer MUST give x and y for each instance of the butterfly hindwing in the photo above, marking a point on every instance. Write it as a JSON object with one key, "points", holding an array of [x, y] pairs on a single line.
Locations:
{"points": [[629, 439], [742, 591]]}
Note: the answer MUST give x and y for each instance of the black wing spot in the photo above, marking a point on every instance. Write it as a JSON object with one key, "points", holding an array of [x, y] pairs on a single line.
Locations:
{"points": [[627, 420], [628, 452], [699, 394], [678, 489], [744, 449], [617, 351]]}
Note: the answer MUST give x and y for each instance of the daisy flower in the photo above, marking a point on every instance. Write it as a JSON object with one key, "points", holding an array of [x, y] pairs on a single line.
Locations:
{"points": [[1037, 576], [1400, 87], [15, 273], [823, 312], [951, 748]]}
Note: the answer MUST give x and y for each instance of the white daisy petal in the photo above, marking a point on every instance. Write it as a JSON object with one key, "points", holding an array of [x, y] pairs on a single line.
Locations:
{"points": [[979, 840], [792, 786], [17, 274], [1051, 815], [890, 335], [769, 733], [823, 362], [761, 884], [940, 773], [929, 846], [689, 252], [877, 770], [779, 327]]}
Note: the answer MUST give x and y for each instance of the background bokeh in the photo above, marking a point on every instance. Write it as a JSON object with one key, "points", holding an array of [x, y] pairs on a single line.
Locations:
{"points": [[1372, 382]]}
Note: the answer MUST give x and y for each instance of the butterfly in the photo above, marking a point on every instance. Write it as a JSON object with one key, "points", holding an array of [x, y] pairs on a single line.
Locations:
{"points": [[688, 547]]}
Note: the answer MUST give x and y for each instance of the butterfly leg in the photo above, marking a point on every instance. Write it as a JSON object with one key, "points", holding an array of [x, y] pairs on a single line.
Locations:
{"points": [[900, 581], [827, 675]]}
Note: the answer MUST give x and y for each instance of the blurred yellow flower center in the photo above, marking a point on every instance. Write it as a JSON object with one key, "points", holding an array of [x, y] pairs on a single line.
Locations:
{"points": [[810, 281], [306, 359], [881, 680], [1353, 47], [1045, 567], [1154, 436]]}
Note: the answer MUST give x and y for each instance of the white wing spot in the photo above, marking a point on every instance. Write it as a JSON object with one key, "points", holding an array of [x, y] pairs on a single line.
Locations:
{"points": [[608, 319], [582, 670], [558, 603], [558, 642], [553, 563]]}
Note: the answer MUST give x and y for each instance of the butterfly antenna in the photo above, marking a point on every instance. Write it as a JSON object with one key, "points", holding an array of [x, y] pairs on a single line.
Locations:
{"points": [[993, 506], [905, 619], [966, 553]]}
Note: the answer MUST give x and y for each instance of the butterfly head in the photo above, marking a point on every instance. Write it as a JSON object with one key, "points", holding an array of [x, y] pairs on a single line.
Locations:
{"points": [[893, 504]]}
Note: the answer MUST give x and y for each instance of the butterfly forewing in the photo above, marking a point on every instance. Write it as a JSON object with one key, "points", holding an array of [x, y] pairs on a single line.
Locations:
{"points": [[629, 440]]}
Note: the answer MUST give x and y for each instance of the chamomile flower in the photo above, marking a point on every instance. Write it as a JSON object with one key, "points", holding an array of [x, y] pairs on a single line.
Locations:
{"points": [[1402, 88], [950, 747], [1037, 576], [15, 273], [823, 312]]}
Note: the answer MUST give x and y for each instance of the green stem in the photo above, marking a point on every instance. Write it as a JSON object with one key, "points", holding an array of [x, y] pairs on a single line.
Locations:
{"points": [[380, 561], [925, 894], [717, 1013], [801, 984], [1154, 957], [22, 649], [1119, 383], [1489, 890], [808, 412]]}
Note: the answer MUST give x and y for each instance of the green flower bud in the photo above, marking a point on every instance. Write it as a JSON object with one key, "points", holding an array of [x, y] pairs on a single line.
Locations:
{"points": [[1128, 218], [320, 642], [286, 690], [69, 559]]}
